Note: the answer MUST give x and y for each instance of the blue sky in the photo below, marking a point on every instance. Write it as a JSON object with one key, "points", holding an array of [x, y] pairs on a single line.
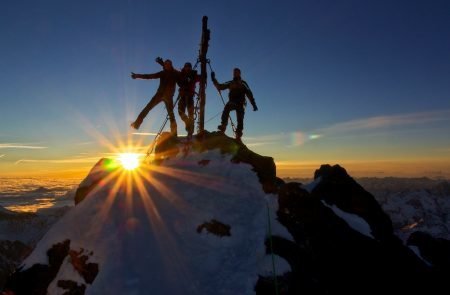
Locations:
{"points": [[335, 81]]}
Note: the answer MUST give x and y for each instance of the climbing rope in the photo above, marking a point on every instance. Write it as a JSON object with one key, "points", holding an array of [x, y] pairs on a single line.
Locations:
{"points": [[223, 101], [271, 251], [152, 146], [213, 117], [196, 111]]}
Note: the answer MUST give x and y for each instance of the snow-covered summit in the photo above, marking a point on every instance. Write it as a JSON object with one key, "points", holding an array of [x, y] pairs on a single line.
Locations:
{"points": [[206, 217], [160, 228]]}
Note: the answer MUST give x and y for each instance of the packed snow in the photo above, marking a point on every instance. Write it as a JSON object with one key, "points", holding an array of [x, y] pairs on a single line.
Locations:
{"points": [[354, 221], [145, 236]]}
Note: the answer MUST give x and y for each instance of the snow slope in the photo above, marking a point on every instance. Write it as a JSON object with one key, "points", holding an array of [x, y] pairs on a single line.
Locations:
{"points": [[144, 230]]}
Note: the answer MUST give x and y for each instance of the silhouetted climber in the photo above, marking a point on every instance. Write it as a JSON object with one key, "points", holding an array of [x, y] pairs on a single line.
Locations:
{"points": [[238, 89], [187, 80], [167, 80]]}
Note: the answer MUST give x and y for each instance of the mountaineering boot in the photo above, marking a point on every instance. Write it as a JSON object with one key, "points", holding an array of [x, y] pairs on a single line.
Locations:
{"points": [[190, 129], [222, 128], [136, 124], [239, 136], [173, 130]]}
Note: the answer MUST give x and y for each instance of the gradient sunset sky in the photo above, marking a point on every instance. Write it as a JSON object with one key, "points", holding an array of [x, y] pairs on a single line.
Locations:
{"points": [[364, 84]]}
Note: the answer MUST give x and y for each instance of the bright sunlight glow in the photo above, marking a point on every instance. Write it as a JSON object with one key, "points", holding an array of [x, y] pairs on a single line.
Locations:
{"points": [[129, 160]]}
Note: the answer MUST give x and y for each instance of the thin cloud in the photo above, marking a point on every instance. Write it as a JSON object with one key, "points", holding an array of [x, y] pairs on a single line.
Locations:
{"points": [[60, 161], [145, 133], [443, 150], [298, 138], [262, 143], [19, 146], [379, 122], [85, 143], [1, 156], [290, 139], [267, 139]]}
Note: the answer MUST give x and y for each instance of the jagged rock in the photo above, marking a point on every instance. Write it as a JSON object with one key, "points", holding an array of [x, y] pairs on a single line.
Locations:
{"points": [[215, 227], [168, 146], [328, 256], [435, 250], [96, 174], [36, 279], [87, 270], [338, 188], [11, 254], [72, 287]]}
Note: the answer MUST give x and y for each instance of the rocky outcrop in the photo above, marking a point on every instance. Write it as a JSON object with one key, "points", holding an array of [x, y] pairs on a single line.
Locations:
{"points": [[435, 251], [37, 278], [168, 146], [96, 175], [11, 254], [215, 227], [336, 187], [330, 256]]}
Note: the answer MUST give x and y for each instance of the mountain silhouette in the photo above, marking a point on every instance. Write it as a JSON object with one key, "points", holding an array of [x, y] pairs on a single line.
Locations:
{"points": [[211, 217]]}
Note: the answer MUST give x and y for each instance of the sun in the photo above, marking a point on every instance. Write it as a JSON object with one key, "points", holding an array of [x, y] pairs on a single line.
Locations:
{"points": [[129, 161]]}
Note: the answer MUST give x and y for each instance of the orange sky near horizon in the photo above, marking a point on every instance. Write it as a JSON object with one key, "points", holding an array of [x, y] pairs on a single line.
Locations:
{"points": [[437, 169]]}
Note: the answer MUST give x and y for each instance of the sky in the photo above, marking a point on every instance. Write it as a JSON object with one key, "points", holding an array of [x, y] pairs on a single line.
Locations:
{"points": [[363, 84]]}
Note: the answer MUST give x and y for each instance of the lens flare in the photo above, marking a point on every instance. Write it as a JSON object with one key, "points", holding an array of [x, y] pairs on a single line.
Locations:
{"points": [[130, 161]]}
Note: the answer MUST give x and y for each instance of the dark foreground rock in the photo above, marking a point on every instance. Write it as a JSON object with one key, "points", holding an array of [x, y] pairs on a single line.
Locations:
{"points": [[329, 256]]}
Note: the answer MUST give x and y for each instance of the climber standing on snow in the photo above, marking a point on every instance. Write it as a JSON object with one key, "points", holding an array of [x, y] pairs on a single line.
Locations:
{"points": [[168, 78], [238, 89]]}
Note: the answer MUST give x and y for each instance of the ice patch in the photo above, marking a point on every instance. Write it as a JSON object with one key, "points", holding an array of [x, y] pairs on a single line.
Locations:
{"points": [[354, 221]]}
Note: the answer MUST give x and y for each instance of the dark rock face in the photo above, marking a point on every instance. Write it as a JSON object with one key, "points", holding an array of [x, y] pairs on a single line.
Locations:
{"points": [[263, 166], [168, 146], [338, 188], [37, 278], [327, 256], [435, 250], [88, 271], [83, 190], [72, 287], [215, 227], [11, 253]]}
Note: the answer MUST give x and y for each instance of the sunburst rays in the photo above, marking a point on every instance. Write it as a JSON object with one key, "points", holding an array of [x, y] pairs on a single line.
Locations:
{"points": [[138, 197]]}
